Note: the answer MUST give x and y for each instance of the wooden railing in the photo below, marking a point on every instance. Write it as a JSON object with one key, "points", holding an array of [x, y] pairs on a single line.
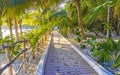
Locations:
{"points": [[10, 62], [23, 51]]}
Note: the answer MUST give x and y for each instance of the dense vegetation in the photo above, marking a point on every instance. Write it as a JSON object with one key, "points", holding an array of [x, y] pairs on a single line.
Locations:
{"points": [[79, 17]]}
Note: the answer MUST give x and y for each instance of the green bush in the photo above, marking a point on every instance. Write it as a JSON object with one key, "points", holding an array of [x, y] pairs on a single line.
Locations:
{"points": [[77, 33], [83, 45], [13, 49], [107, 51], [78, 39]]}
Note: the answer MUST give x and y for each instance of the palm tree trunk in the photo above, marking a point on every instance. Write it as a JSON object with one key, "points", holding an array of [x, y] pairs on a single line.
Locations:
{"points": [[119, 21], [0, 33], [10, 26], [8, 60], [0, 28], [25, 63], [20, 25], [16, 29], [80, 25], [109, 20]]}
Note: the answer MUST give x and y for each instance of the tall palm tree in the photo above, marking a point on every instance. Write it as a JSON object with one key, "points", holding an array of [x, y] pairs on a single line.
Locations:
{"points": [[16, 28], [110, 14], [0, 29], [80, 25], [10, 24], [20, 26], [12, 10], [117, 13], [3, 4], [16, 8]]}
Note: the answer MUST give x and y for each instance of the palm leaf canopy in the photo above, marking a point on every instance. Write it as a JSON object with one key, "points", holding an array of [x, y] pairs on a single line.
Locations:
{"points": [[61, 13], [16, 7], [97, 10]]}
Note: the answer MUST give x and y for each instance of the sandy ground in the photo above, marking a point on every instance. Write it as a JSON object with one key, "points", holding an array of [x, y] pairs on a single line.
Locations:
{"points": [[71, 38]]}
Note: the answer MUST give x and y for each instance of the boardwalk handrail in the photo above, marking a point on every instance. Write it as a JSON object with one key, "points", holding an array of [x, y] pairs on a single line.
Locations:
{"points": [[41, 65], [21, 65], [96, 66], [12, 61], [12, 44]]}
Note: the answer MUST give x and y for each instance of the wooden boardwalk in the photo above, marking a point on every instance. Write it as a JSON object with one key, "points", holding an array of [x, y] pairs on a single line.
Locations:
{"points": [[64, 60]]}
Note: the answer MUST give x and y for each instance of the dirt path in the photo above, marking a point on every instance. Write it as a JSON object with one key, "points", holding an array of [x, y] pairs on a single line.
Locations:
{"points": [[64, 60]]}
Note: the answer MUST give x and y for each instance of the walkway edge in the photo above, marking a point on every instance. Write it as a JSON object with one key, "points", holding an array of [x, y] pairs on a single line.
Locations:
{"points": [[96, 66], [41, 65]]}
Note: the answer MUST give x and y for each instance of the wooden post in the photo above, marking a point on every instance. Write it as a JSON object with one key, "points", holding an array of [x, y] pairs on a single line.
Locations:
{"points": [[8, 60], [42, 40], [46, 36], [24, 56], [38, 46]]}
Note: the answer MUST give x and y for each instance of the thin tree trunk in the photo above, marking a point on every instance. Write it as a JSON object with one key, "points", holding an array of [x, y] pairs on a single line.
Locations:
{"points": [[33, 54], [24, 56], [16, 29], [0, 28], [0, 33], [80, 25], [109, 20], [119, 21], [20, 25], [8, 60], [10, 26]]}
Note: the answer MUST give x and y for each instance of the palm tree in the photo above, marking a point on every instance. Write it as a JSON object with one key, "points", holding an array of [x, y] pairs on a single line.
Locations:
{"points": [[0, 29], [109, 20], [16, 28], [70, 9], [117, 13], [97, 10], [16, 8], [80, 25], [3, 4], [11, 11], [20, 26], [3, 7]]}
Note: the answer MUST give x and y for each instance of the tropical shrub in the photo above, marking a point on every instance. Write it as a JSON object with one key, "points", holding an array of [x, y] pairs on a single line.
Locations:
{"points": [[13, 49], [77, 32], [107, 52], [83, 45]]}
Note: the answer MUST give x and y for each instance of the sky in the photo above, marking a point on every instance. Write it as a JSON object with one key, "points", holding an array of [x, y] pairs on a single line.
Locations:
{"points": [[62, 5]]}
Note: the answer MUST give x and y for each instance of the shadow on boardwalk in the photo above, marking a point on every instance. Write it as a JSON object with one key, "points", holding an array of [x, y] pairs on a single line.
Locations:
{"points": [[64, 60]]}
